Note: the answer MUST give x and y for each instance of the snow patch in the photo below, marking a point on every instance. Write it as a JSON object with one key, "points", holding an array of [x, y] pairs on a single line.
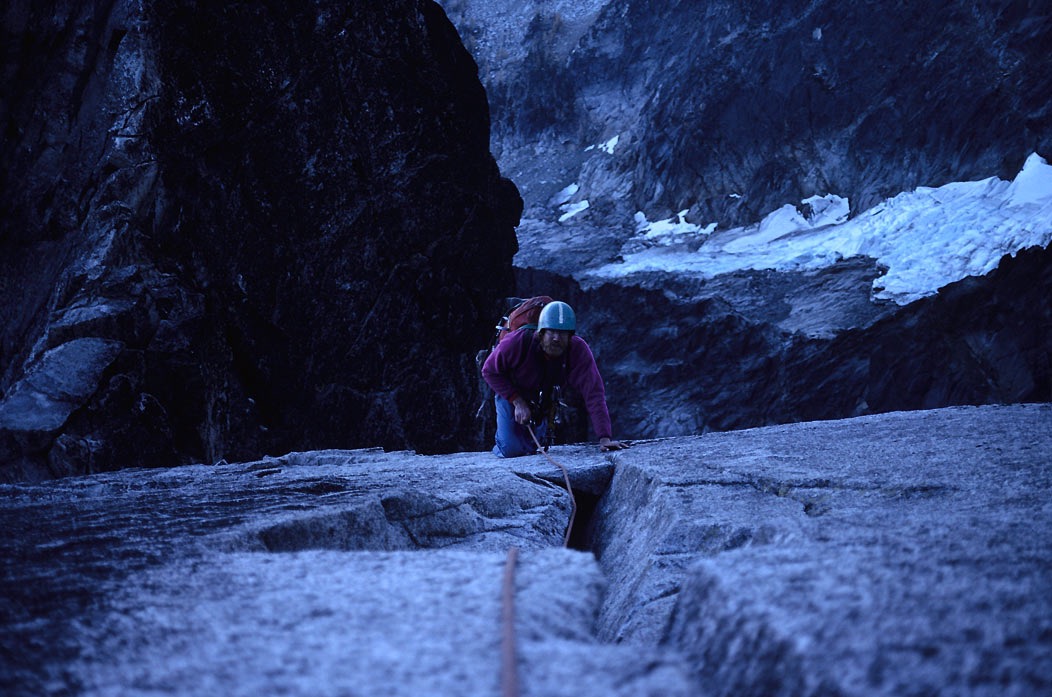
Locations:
{"points": [[1033, 184], [571, 209], [564, 195], [670, 230], [562, 201], [607, 147], [926, 238], [827, 210]]}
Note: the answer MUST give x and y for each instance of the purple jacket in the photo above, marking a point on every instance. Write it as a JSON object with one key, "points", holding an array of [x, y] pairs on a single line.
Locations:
{"points": [[516, 366]]}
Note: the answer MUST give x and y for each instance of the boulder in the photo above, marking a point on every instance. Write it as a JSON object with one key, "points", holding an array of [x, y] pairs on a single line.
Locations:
{"points": [[37, 410]]}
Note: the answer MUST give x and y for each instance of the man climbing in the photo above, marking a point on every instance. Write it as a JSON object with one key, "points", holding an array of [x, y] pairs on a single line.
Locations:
{"points": [[526, 366]]}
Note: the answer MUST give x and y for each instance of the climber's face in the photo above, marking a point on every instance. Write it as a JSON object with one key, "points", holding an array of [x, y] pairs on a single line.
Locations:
{"points": [[555, 342]]}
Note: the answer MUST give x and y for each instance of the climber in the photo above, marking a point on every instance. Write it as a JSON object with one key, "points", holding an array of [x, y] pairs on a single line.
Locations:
{"points": [[527, 367]]}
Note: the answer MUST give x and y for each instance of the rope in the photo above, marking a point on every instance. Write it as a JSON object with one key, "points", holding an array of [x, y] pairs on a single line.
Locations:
{"points": [[509, 673], [509, 670], [566, 478]]}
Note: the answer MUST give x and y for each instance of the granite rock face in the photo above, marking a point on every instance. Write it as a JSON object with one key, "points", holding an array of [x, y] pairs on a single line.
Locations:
{"points": [[282, 223], [731, 110], [317, 573], [903, 553], [891, 554]]}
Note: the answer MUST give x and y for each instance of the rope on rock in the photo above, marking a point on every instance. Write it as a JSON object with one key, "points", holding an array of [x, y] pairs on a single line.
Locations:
{"points": [[566, 478], [509, 669], [509, 673]]}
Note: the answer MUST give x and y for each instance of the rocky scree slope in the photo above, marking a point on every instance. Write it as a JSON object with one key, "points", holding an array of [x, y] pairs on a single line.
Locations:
{"points": [[231, 230]]}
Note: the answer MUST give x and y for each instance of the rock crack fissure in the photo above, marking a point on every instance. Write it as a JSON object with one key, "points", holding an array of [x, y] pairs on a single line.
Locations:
{"points": [[929, 555]]}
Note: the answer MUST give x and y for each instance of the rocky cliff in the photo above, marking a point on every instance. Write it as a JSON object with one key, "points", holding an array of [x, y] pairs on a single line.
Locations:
{"points": [[233, 231], [230, 230], [731, 109], [727, 111]]}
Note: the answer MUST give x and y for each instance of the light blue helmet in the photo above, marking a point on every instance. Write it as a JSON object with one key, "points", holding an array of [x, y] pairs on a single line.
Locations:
{"points": [[557, 315]]}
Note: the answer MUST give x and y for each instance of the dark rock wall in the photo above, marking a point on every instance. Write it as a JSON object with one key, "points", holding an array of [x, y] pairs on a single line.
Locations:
{"points": [[286, 217], [58, 64], [674, 368]]}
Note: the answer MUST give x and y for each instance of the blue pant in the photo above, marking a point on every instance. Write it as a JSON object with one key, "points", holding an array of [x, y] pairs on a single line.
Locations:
{"points": [[512, 438]]}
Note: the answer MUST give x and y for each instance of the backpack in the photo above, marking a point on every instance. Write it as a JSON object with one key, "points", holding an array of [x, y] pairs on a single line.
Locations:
{"points": [[525, 313]]}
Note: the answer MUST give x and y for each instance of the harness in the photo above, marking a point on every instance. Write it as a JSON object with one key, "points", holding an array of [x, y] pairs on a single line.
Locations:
{"points": [[545, 408]]}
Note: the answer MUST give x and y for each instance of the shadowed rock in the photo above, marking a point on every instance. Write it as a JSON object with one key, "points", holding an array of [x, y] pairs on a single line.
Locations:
{"points": [[287, 216]]}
